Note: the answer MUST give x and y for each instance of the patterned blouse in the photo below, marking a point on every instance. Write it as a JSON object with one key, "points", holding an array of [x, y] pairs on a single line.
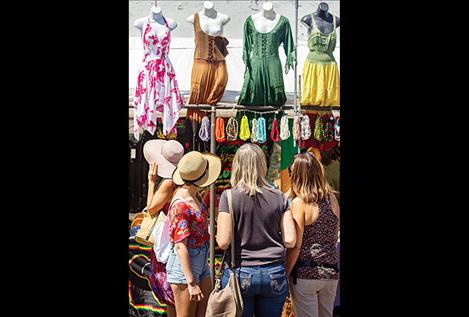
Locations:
{"points": [[320, 244], [186, 222]]}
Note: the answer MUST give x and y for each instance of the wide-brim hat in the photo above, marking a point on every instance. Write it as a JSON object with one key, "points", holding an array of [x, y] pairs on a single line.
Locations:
{"points": [[200, 169], [165, 153]]}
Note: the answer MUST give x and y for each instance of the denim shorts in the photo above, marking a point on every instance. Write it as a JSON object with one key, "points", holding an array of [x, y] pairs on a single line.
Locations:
{"points": [[199, 264]]}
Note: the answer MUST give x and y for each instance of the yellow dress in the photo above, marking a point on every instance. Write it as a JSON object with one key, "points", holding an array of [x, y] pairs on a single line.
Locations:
{"points": [[320, 78]]}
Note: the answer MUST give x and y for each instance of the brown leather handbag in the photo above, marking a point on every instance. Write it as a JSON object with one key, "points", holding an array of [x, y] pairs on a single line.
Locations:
{"points": [[228, 301]]}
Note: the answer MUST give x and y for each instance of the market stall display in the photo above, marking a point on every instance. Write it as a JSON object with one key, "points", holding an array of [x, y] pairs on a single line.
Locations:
{"points": [[261, 115]]}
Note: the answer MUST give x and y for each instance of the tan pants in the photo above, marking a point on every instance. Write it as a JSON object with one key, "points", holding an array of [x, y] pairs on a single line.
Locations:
{"points": [[313, 298]]}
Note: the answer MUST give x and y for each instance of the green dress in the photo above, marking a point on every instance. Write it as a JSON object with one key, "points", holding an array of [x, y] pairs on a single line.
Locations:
{"points": [[263, 77]]}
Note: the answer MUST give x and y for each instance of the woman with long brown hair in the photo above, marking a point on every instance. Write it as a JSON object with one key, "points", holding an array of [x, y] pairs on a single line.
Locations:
{"points": [[312, 263]]}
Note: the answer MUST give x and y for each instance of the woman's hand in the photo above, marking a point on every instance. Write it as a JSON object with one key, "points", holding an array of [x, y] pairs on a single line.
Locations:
{"points": [[152, 171], [195, 294]]}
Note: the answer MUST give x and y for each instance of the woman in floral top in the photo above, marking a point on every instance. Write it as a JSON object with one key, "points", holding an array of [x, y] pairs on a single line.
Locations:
{"points": [[187, 266]]}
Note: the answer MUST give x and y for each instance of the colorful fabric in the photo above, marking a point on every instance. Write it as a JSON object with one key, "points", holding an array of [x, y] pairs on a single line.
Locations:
{"points": [[157, 88], [296, 128], [232, 129], [318, 130], [320, 78], [275, 134], [244, 132], [305, 128], [336, 115], [142, 300], [220, 130], [186, 222], [328, 128], [313, 142], [263, 77], [284, 129], [254, 131], [204, 132], [289, 149], [261, 131], [161, 288]]}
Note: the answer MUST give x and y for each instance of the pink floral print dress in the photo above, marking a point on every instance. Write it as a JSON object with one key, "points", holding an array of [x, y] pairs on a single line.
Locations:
{"points": [[157, 88]]}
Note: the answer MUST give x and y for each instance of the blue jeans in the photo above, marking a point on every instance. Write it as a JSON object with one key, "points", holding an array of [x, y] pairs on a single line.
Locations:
{"points": [[199, 264], [264, 289]]}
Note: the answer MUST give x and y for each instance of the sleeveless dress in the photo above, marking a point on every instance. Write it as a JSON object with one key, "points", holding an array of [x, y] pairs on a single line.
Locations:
{"points": [[263, 78], [209, 72], [320, 79], [157, 88]]}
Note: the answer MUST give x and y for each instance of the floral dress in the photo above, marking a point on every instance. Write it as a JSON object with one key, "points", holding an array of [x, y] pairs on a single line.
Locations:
{"points": [[157, 88]]}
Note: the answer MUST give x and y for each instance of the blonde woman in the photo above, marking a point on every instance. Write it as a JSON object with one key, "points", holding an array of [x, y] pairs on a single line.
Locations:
{"points": [[312, 263], [264, 227]]}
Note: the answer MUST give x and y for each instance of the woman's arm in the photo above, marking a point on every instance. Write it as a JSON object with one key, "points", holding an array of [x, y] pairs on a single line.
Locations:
{"points": [[224, 230], [297, 209], [335, 208], [151, 182], [162, 196], [287, 226]]}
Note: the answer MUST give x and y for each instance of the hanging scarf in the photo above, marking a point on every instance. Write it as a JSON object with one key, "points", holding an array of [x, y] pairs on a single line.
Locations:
{"points": [[296, 128], [274, 134], [318, 131], [220, 130], [204, 132], [305, 128], [336, 115], [254, 131], [329, 129], [244, 132], [284, 132], [261, 131], [232, 129]]}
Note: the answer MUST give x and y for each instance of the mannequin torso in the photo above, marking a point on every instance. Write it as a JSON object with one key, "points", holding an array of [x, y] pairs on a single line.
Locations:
{"points": [[211, 21], [322, 19], [157, 20], [266, 20]]}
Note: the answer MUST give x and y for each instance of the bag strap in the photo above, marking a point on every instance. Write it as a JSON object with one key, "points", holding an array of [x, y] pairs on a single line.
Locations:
{"points": [[230, 207]]}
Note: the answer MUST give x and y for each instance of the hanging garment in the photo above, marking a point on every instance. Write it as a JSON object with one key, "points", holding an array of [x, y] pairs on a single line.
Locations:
{"points": [[209, 73], [312, 141], [320, 79], [263, 78], [157, 88]]}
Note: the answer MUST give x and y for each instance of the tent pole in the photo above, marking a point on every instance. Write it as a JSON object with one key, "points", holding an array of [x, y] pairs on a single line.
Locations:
{"points": [[296, 106], [212, 200]]}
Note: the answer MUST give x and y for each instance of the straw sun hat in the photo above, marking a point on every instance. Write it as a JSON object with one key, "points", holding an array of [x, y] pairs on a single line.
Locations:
{"points": [[200, 169], [165, 153]]}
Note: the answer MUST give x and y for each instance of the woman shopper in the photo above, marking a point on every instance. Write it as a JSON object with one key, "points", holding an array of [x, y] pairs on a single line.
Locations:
{"points": [[264, 227], [312, 263], [187, 266], [163, 157]]}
